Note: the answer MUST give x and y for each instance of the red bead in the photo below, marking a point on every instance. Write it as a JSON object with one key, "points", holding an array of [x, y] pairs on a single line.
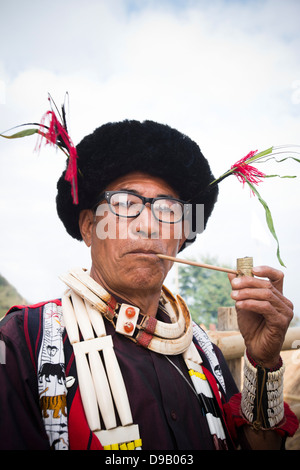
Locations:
{"points": [[130, 312], [128, 327]]}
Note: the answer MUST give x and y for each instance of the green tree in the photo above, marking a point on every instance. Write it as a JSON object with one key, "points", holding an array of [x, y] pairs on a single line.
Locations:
{"points": [[8, 296], [204, 291]]}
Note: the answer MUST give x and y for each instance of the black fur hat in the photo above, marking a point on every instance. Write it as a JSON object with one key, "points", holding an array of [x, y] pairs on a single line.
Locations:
{"points": [[116, 149]]}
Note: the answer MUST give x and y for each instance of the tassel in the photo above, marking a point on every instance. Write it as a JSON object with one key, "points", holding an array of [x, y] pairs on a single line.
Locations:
{"points": [[245, 172], [56, 134]]}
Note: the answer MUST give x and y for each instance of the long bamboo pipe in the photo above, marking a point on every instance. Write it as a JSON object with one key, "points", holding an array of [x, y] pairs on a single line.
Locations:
{"points": [[200, 265]]}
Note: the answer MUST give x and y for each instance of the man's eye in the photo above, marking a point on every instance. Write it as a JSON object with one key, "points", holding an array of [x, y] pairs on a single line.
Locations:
{"points": [[122, 203], [164, 207]]}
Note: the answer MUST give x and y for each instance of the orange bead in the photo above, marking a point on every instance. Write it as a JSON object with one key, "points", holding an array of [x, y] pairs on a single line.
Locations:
{"points": [[128, 327], [130, 312]]}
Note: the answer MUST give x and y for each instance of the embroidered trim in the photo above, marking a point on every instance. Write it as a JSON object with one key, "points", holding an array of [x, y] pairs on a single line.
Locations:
{"points": [[207, 346], [133, 445], [51, 378]]}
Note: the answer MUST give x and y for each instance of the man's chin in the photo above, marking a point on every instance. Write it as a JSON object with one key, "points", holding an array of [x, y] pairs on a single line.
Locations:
{"points": [[144, 277]]}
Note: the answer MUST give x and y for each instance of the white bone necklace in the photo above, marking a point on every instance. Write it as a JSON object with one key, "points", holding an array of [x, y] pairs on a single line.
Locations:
{"points": [[164, 338], [101, 385]]}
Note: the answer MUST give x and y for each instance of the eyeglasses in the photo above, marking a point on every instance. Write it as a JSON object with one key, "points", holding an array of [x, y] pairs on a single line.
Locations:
{"points": [[128, 204]]}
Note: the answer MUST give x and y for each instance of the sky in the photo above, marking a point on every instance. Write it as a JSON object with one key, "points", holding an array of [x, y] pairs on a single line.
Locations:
{"points": [[224, 72]]}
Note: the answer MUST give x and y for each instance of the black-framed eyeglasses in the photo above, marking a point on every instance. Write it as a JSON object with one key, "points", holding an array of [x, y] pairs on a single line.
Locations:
{"points": [[129, 204]]}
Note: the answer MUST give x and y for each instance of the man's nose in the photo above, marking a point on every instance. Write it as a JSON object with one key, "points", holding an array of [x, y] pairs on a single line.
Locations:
{"points": [[146, 226]]}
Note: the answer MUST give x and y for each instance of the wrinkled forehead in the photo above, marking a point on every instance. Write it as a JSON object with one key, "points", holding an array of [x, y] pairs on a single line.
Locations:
{"points": [[144, 184]]}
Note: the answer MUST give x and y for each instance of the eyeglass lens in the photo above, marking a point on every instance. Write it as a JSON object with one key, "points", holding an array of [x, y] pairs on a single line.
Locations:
{"points": [[131, 205]]}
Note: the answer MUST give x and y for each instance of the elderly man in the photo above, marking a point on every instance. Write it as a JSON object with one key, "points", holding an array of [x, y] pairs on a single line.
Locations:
{"points": [[117, 363]]}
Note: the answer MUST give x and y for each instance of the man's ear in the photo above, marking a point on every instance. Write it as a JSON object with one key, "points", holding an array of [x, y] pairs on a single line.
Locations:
{"points": [[86, 222]]}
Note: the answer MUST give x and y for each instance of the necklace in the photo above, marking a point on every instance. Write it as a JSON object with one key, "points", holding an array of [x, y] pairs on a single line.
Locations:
{"points": [[101, 384], [163, 338]]}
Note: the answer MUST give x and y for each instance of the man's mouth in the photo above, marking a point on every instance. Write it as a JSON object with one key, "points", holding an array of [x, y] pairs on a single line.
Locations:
{"points": [[143, 252]]}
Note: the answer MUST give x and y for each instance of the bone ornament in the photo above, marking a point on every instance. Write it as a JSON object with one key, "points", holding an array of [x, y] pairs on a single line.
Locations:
{"points": [[101, 383], [100, 387], [127, 319], [164, 338]]}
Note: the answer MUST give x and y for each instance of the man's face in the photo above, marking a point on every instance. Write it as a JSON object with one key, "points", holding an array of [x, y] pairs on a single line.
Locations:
{"points": [[126, 259]]}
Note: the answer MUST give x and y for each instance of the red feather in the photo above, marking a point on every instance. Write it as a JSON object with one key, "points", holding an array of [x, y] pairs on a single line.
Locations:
{"points": [[242, 170], [56, 134]]}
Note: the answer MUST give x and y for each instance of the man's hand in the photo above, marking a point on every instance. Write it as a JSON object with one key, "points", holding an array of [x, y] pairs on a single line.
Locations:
{"points": [[263, 313]]}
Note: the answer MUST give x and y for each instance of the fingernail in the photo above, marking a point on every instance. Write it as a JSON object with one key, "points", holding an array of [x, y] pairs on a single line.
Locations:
{"points": [[256, 270], [236, 281]]}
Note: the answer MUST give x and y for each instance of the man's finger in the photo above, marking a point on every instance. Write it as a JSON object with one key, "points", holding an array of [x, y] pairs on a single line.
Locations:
{"points": [[266, 277], [275, 275]]}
